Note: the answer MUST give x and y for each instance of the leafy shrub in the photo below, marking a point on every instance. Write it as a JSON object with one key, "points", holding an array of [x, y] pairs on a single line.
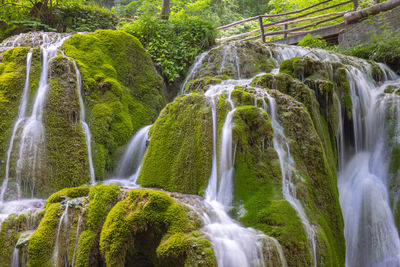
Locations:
{"points": [[382, 48], [313, 41], [17, 16], [81, 18], [174, 44]]}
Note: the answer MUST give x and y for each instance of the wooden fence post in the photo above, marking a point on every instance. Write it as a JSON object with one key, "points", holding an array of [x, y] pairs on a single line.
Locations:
{"points": [[285, 34], [261, 28], [355, 4]]}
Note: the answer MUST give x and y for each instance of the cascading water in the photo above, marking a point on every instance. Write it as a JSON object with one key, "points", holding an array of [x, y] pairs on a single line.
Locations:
{"points": [[129, 166], [233, 244], [281, 146], [132, 158], [85, 127], [20, 119], [31, 146], [370, 232], [63, 222], [371, 235]]}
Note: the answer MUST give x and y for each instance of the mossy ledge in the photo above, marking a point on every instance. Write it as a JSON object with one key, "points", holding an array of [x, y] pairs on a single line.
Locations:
{"points": [[118, 227]]}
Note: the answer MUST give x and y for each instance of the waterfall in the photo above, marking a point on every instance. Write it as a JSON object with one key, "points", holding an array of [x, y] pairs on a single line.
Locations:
{"points": [[85, 127], [129, 165], [63, 222], [371, 235], [31, 146], [15, 258], [372, 239], [233, 244], [281, 146], [20, 119], [193, 70]]}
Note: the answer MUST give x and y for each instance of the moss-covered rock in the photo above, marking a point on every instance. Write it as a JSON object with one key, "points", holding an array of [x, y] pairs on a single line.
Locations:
{"points": [[12, 80], [150, 228], [257, 186], [201, 84], [319, 181], [102, 199], [117, 227], [10, 229], [42, 242], [121, 89], [178, 157], [66, 149], [236, 60]]}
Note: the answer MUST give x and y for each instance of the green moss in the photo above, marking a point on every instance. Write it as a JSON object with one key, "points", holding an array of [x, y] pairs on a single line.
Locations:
{"points": [[68, 193], [120, 87], [101, 200], [202, 84], [10, 229], [319, 193], [66, 150], [86, 242], [41, 245], [180, 147], [249, 57], [12, 80], [150, 227], [257, 186]]}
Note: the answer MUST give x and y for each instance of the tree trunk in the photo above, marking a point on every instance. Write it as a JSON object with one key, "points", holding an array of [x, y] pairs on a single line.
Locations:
{"points": [[363, 13], [165, 10]]}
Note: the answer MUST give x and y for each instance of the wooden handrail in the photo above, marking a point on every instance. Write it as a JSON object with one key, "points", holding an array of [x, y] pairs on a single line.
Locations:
{"points": [[270, 16], [287, 21], [335, 14]]}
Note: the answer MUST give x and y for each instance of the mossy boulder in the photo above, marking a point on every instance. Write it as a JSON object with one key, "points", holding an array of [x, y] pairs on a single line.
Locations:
{"points": [[66, 149], [236, 60], [201, 84], [112, 226], [151, 228], [178, 157], [258, 198], [121, 89]]}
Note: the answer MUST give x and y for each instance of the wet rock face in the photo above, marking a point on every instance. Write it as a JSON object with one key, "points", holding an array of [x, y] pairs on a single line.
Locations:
{"points": [[31, 39], [237, 60]]}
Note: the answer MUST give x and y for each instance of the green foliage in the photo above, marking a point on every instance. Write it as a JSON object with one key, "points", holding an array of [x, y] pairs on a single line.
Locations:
{"points": [[18, 16], [174, 44], [76, 17], [313, 41], [382, 48]]}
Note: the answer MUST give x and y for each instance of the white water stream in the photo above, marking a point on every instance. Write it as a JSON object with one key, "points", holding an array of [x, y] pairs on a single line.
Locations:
{"points": [[85, 127], [20, 119], [32, 139], [129, 165], [233, 244]]}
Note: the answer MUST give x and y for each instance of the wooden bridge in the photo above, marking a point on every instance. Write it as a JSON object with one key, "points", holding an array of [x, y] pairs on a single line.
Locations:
{"points": [[292, 29]]}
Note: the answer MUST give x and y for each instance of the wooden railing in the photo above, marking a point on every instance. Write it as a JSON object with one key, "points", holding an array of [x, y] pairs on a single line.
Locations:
{"points": [[285, 22]]}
